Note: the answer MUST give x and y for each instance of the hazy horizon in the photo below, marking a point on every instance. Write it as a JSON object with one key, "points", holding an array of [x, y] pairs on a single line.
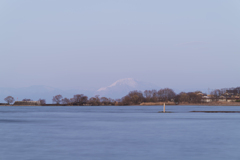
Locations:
{"points": [[115, 90], [91, 44]]}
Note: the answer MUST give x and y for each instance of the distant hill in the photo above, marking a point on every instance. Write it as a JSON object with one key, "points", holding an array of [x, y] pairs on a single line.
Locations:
{"points": [[122, 87]]}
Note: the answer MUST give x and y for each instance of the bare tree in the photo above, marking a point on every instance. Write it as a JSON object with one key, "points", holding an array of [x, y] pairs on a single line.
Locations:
{"points": [[223, 91], [133, 97], [105, 101], [65, 101], [9, 99], [154, 96], [80, 99], [71, 100], [234, 91], [183, 97], [166, 94], [111, 101], [84, 99], [42, 101], [57, 99], [126, 100], [194, 97], [238, 90], [150, 96], [216, 94], [94, 101]]}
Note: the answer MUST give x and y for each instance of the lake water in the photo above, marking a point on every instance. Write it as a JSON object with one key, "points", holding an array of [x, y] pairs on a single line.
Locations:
{"points": [[119, 133]]}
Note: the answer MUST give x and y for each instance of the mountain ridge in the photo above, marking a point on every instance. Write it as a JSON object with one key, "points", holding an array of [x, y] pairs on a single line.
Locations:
{"points": [[122, 87]]}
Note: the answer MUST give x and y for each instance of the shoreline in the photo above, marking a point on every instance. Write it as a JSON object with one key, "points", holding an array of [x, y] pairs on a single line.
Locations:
{"points": [[211, 104], [152, 104]]}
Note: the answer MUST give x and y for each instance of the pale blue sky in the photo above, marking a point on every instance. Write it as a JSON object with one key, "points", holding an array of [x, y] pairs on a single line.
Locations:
{"points": [[92, 43]]}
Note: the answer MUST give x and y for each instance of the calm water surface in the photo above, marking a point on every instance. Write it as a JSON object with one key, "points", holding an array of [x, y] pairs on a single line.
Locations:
{"points": [[119, 133]]}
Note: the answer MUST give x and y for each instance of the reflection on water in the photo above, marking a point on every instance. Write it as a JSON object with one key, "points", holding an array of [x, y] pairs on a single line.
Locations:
{"points": [[119, 132]]}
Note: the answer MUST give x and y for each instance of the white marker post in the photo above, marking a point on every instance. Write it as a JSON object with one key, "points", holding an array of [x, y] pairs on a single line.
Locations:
{"points": [[164, 108]]}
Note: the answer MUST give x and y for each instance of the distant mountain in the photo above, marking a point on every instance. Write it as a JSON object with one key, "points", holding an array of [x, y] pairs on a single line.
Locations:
{"points": [[122, 87], [36, 92], [118, 89]]}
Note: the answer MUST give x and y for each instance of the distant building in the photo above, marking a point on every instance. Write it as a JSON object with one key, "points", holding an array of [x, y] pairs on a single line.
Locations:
{"points": [[27, 103], [200, 93], [232, 99], [206, 99], [220, 99]]}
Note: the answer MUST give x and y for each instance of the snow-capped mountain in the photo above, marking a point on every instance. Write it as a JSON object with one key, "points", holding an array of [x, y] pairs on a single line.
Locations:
{"points": [[122, 87], [118, 89]]}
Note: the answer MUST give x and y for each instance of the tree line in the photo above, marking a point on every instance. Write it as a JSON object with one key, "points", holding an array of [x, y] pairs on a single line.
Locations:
{"points": [[225, 92], [136, 97]]}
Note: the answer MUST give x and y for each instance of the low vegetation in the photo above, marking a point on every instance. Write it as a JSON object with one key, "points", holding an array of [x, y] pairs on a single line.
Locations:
{"points": [[138, 97]]}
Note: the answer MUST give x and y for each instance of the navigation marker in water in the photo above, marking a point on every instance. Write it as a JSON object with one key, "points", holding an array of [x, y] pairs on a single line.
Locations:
{"points": [[164, 108]]}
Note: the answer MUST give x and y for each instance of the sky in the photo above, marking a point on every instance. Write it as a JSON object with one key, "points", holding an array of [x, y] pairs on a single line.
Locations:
{"points": [[90, 44]]}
